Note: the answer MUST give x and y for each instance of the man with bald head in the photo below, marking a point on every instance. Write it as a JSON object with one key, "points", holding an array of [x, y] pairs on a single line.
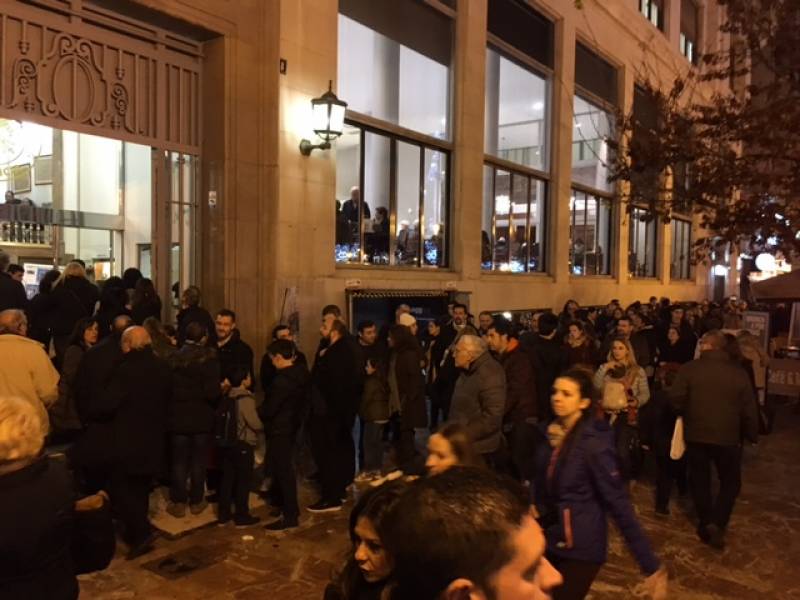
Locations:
{"points": [[138, 394], [479, 397]]}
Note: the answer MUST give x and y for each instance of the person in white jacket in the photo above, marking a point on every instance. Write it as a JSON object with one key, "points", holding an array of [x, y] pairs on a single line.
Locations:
{"points": [[25, 369]]}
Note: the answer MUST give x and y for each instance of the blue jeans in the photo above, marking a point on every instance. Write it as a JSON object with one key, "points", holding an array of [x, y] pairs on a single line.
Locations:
{"points": [[189, 459], [373, 446]]}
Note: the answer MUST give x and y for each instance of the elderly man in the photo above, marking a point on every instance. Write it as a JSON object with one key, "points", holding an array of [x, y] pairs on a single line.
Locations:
{"points": [[139, 392], [479, 397], [716, 399], [25, 369]]}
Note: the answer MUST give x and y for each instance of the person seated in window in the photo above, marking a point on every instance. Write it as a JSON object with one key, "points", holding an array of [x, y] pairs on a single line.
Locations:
{"points": [[378, 240], [407, 242], [578, 252]]}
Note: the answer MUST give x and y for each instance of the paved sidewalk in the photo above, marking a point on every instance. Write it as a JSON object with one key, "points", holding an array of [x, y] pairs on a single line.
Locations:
{"points": [[760, 561]]}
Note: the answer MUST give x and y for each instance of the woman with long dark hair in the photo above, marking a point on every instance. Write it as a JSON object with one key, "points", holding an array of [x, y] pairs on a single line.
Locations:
{"points": [[578, 486], [146, 302], [64, 422], [369, 566]]}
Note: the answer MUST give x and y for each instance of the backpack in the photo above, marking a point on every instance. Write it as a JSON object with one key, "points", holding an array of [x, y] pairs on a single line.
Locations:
{"points": [[226, 423], [615, 395]]}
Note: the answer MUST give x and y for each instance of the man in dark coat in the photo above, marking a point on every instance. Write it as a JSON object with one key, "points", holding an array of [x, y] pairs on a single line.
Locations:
{"points": [[519, 418], [232, 351], [139, 392], [192, 312], [195, 392], [549, 359], [281, 412], [715, 397], [12, 292], [479, 398], [337, 381]]}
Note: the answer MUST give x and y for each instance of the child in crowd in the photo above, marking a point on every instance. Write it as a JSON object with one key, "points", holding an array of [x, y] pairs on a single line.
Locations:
{"points": [[237, 445]]}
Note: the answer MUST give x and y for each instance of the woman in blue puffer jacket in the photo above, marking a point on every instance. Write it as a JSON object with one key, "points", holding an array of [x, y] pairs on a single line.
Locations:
{"points": [[578, 484]]}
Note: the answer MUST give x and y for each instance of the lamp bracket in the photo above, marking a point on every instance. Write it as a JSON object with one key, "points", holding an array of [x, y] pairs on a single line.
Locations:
{"points": [[306, 147]]}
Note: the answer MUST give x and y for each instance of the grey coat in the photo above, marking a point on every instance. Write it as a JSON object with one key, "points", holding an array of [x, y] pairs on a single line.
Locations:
{"points": [[715, 398], [479, 401]]}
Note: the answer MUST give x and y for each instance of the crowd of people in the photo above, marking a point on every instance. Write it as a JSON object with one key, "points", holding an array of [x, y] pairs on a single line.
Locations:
{"points": [[542, 424]]}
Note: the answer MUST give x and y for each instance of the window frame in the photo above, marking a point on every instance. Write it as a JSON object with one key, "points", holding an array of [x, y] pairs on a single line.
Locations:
{"points": [[611, 196], [424, 143], [532, 175], [397, 133], [687, 226], [646, 10], [633, 218], [613, 234]]}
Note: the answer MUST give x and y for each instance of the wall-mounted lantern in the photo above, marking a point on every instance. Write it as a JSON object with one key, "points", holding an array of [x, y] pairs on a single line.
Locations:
{"points": [[327, 120]]}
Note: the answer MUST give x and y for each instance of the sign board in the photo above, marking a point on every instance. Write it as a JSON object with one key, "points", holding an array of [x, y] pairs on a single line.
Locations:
{"points": [[783, 377], [757, 323]]}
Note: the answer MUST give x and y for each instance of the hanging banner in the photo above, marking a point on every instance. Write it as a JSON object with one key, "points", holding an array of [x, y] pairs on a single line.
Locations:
{"points": [[757, 323]]}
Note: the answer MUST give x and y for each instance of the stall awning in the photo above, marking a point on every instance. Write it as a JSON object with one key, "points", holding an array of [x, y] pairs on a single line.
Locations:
{"points": [[781, 288]]}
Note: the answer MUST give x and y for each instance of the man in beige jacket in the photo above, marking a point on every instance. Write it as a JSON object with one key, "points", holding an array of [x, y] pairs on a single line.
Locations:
{"points": [[25, 369]]}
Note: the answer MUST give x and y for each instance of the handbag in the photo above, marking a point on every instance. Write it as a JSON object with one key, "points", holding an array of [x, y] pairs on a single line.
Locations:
{"points": [[93, 537], [678, 445]]}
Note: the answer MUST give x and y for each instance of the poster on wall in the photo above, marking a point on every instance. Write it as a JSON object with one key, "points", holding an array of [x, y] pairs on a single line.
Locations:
{"points": [[757, 323], [19, 177]]}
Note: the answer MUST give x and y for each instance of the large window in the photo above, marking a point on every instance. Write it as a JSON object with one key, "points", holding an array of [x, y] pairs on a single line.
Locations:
{"points": [[516, 107], [516, 134], [400, 219], [590, 234], [681, 263], [592, 127], [392, 161], [653, 11], [642, 243], [513, 223], [689, 29]]}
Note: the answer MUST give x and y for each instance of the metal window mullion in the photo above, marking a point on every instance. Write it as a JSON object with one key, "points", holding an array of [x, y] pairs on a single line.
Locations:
{"points": [[528, 240], [511, 179], [494, 214], [392, 200], [421, 209], [361, 178]]}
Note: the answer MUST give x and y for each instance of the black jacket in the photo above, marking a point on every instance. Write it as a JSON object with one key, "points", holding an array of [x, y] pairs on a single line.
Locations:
{"points": [[40, 318], [196, 314], [36, 520], [91, 380], [12, 293], [549, 359], [406, 362], [70, 301], [337, 380], [140, 312], [268, 371], [139, 392], [236, 353], [195, 389], [286, 401], [715, 397]]}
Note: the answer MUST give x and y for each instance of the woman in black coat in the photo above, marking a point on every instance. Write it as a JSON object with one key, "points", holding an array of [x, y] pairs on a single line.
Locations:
{"points": [[36, 511], [146, 302], [39, 315], [73, 298], [406, 389]]}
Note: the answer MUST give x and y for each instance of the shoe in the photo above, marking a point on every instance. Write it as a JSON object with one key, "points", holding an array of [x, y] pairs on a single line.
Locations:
{"points": [[703, 533], [379, 481], [716, 537], [363, 477], [196, 509], [245, 521], [177, 509], [662, 511], [281, 525], [322, 507], [223, 520], [141, 548], [275, 511]]}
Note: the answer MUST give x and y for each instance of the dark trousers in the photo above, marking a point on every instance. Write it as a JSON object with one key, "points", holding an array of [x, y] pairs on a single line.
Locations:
{"points": [[335, 454], [728, 462], [373, 445], [130, 494], [578, 577], [189, 459], [440, 395], [667, 472], [237, 469], [521, 438], [283, 491]]}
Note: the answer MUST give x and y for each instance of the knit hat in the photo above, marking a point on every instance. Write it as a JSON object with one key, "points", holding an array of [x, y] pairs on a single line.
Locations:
{"points": [[406, 319]]}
